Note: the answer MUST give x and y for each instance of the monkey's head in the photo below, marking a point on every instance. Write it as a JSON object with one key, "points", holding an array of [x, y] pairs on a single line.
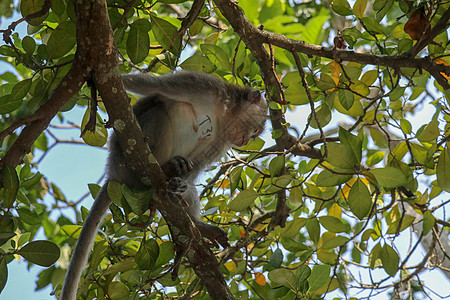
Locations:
{"points": [[247, 117]]}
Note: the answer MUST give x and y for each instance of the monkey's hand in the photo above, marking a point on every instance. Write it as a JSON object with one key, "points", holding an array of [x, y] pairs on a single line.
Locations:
{"points": [[177, 166], [214, 234]]}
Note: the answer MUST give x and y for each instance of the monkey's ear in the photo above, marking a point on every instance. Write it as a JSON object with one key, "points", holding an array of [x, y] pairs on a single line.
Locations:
{"points": [[254, 96]]}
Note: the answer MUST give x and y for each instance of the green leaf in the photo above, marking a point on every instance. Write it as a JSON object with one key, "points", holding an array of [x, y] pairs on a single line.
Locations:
{"points": [[276, 165], [276, 259], [10, 185], [323, 115], [328, 179], [115, 192], [359, 199], [379, 4], [217, 56], [118, 290], [29, 217], [62, 40], [346, 98], [139, 201], [20, 90], [72, 230], [243, 200], [166, 253], [8, 104], [352, 142], [359, 8], [198, 62], [443, 170], [428, 132], [420, 154], [303, 272], [42, 253], [3, 273], [99, 137], [5, 236], [372, 25], [293, 228], [341, 7], [28, 44], [341, 156], [313, 228], [296, 94], [94, 189], [360, 89], [320, 276], [333, 224], [283, 277], [138, 41], [334, 242], [428, 222], [369, 77], [28, 7], [147, 255], [313, 34], [326, 82], [390, 259], [405, 125], [165, 33], [389, 177]]}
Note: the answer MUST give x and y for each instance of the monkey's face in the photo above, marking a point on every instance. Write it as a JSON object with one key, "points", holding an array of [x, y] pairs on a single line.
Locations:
{"points": [[247, 121]]}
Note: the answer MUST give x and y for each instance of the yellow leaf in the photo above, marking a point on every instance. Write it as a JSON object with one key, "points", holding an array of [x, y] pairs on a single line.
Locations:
{"points": [[250, 246], [336, 71], [260, 279], [231, 266], [224, 183], [441, 61], [335, 210]]}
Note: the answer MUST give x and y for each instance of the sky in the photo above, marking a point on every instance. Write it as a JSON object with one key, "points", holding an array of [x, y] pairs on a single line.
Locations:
{"points": [[71, 167]]}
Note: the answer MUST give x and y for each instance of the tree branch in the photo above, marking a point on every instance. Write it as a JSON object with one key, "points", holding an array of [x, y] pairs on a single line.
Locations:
{"points": [[93, 21], [254, 38]]}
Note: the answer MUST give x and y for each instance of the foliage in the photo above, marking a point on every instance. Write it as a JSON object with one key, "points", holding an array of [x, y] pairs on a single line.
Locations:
{"points": [[352, 193]]}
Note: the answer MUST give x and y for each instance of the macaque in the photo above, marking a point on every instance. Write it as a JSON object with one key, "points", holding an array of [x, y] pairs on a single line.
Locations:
{"points": [[190, 119]]}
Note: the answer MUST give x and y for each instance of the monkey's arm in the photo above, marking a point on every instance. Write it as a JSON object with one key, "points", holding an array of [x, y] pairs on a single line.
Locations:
{"points": [[81, 252], [191, 87]]}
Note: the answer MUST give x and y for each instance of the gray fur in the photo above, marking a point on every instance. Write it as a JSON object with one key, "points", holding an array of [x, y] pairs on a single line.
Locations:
{"points": [[187, 114]]}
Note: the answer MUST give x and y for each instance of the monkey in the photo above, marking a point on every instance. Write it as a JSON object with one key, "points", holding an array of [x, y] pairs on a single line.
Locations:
{"points": [[189, 120]]}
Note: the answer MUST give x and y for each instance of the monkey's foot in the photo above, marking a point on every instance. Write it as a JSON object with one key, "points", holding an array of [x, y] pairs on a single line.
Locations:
{"points": [[214, 234], [178, 165], [176, 185]]}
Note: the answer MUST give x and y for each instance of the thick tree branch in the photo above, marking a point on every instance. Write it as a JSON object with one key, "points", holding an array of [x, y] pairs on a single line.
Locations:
{"points": [[70, 84], [253, 36], [93, 21]]}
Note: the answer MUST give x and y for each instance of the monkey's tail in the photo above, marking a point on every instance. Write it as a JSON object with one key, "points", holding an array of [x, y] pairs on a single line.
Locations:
{"points": [[81, 253]]}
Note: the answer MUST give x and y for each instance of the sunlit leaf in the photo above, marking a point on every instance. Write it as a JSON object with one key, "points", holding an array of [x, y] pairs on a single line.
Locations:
{"points": [[319, 277], [359, 199], [243, 200], [389, 177], [390, 260], [443, 170]]}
